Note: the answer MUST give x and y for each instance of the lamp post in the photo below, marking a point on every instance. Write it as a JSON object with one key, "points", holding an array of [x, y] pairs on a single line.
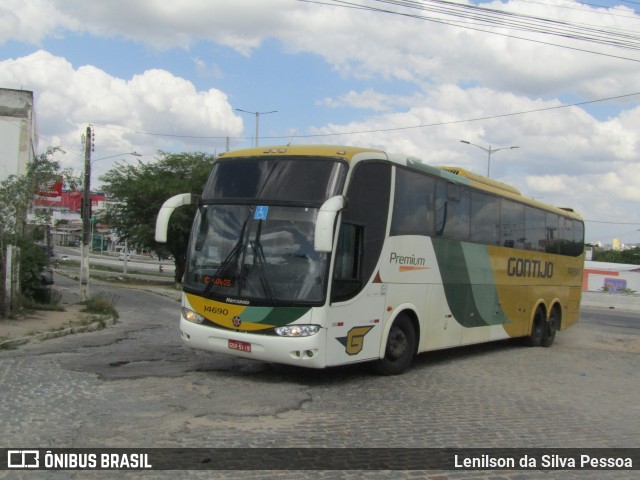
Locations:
{"points": [[489, 150], [257, 114], [86, 212]]}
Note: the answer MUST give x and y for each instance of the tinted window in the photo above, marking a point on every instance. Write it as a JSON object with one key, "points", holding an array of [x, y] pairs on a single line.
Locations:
{"points": [[363, 229], [512, 224], [536, 229], [452, 210], [571, 237], [278, 179], [413, 206], [552, 225], [485, 218]]}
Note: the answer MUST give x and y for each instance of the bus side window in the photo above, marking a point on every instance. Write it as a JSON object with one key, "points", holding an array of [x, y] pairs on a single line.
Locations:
{"points": [[485, 215], [452, 211], [572, 237], [363, 228], [512, 224], [413, 204], [535, 229], [347, 270], [553, 233]]}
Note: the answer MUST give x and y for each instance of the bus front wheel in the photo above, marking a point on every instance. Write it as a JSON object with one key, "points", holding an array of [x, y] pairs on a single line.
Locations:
{"points": [[400, 348]]}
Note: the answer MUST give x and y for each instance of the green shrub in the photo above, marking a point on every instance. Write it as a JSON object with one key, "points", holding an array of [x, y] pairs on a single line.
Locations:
{"points": [[102, 304]]}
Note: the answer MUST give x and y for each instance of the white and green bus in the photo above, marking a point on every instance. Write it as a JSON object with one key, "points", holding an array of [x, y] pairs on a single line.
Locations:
{"points": [[327, 255]]}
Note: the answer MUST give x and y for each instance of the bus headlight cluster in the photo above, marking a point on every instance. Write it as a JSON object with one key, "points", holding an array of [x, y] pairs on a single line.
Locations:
{"points": [[297, 330], [192, 316]]}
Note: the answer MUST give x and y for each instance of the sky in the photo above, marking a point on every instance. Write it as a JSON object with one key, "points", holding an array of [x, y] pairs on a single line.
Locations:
{"points": [[558, 79]]}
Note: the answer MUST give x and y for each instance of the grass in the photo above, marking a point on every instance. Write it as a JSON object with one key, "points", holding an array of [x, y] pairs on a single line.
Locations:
{"points": [[101, 304], [51, 302]]}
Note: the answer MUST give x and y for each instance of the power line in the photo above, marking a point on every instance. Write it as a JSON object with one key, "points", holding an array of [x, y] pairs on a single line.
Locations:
{"points": [[478, 119], [409, 127], [466, 16]]}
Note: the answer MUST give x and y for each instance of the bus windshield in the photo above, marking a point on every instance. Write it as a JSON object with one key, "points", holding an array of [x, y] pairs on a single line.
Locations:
{"points": [[249, 244]]}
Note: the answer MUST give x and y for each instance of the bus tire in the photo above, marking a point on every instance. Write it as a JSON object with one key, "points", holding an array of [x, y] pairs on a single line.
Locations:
{"points": [[537, 329], [400, 348], [550, 329]]}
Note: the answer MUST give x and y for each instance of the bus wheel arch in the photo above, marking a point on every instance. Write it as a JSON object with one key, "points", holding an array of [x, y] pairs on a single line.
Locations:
{"points": [[538, 323], [552, 325], [400, 345]]}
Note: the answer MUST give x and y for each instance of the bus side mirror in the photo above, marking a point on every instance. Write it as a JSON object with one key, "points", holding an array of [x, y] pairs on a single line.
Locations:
{"points": [[162, 221], [323, 241]]}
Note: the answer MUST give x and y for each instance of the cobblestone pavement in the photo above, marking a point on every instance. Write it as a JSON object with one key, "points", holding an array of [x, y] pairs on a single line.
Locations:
{"points": [[135, 385]]}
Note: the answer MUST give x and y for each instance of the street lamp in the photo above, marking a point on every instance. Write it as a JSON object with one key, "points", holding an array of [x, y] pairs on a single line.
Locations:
{"points": [[86, 212], [257, 114], [489, 151]]}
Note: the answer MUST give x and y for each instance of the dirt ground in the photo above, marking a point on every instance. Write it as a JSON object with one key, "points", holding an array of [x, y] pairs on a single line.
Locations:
{"points": [[41, 321]]}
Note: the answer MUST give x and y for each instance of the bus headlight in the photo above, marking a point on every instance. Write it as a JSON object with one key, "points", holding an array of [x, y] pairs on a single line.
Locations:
{"points": [[192, 316], [297, 330]]}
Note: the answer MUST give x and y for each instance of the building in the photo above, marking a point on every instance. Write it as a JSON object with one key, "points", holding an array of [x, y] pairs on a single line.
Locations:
{"points": [[18, 132], [66, 220], [19, 141]]}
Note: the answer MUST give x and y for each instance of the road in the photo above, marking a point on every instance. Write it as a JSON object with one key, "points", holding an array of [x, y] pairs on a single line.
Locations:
{"points": [[137, 263], [135, 385], [615, 320]]}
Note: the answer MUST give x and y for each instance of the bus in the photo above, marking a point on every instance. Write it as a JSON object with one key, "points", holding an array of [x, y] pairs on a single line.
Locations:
{"points": [[318, 256]]}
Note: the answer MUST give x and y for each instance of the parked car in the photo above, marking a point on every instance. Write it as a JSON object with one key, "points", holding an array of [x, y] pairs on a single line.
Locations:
{"points": [[46, 276], [121, 257], [64, 258]]}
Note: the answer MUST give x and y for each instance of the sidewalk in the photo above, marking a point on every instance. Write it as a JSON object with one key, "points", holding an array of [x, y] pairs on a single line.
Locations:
{"points": [[38, 325]]}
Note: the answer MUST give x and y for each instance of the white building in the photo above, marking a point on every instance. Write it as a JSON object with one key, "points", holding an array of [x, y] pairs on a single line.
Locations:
{"points": [[18, 132], [611, 277]]}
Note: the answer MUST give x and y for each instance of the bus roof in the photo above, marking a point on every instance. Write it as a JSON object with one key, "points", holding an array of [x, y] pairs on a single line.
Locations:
{"points": [[343, 151]]}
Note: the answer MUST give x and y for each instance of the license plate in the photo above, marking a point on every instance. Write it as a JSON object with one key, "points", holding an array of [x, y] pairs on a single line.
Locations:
{"points": [[238, 345]]}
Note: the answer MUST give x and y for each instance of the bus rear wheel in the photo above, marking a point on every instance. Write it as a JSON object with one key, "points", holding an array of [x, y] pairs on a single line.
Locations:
{"points": [[400, 348], [537, 329], [550, 329]]}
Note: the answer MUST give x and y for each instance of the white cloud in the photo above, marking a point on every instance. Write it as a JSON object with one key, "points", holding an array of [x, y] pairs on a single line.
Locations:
{"points": [[31, 21], [154, 101], [357, 43], [567, 156]]}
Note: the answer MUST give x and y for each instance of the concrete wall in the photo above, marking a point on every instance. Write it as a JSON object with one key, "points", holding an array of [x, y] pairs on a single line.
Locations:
{"points": [[18, 133], [613, 277]]}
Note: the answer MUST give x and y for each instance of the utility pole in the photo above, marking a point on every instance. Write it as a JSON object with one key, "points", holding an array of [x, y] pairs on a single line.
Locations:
{"points": [[257, 114], [490, 151], [88, 140]]}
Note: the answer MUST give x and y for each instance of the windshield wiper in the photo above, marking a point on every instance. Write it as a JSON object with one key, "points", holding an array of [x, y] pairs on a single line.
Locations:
{"points": [[260, 262], [233, 255]]}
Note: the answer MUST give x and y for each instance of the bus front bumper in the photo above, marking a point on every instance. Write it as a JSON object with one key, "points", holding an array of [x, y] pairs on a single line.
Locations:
{"points": [[300, 351]]}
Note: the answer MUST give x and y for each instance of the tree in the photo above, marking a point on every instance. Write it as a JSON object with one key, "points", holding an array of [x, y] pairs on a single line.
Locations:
{"points": [[17, 194], [629, 256], [141, 189]]}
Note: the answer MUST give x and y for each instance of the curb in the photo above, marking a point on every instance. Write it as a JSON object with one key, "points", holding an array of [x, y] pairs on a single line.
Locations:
{"points": [[100, 323]]}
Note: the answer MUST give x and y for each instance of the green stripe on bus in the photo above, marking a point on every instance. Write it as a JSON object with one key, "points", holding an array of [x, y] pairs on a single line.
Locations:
{"points": [[280, 316], [469, 284]]}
